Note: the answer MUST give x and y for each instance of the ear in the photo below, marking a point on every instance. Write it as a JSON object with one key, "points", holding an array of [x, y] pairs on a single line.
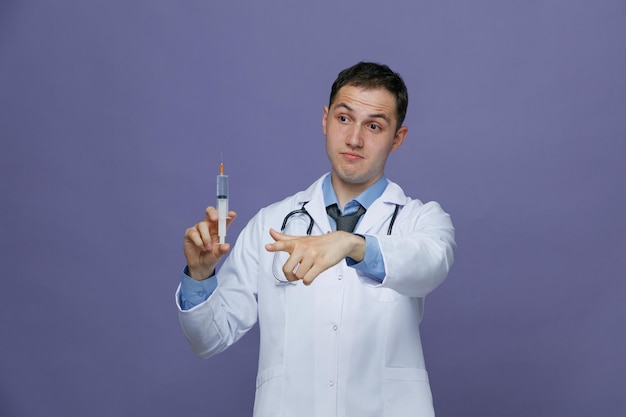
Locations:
{"points": [[399, 138], [324, 119]]}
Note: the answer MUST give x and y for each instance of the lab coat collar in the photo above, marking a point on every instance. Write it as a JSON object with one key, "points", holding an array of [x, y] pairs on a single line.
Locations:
{"points": [[381, 208]]}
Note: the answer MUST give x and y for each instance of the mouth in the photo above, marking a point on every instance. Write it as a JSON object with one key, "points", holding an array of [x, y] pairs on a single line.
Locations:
{"points": [[351, 156]]}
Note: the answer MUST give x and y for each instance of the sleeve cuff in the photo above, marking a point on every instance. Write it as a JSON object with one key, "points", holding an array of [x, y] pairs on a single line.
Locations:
{"points": [[193, 292], [372, 264]]}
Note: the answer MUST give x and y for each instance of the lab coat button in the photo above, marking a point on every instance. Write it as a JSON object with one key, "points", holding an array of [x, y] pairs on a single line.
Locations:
{"points": [[331, 383], [335, 327], [339, 276]]}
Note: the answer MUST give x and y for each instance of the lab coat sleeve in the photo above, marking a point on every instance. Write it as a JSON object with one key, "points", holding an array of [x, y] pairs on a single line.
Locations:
{"points": [[231, 310], [418, 259]]}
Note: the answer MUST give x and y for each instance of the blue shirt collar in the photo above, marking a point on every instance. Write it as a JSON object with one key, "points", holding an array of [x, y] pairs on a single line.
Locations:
{"points": [[366, 198]]}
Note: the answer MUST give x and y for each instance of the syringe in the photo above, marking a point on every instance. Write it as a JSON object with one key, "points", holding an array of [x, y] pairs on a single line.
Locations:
{"points": [[222, 204]]}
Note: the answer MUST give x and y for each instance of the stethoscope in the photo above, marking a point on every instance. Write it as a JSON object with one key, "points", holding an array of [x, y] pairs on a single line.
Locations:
{"points": [[277, 271]]}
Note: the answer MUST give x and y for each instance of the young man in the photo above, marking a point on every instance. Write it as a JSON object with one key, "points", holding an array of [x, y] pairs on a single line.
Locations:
{"points": [[338, 310]]}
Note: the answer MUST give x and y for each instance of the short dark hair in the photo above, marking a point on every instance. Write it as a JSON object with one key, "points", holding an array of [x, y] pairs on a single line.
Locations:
{"points": [[371, 75]]}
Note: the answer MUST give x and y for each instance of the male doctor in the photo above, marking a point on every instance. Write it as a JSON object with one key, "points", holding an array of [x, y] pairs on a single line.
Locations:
{"points": [[336, 274]]}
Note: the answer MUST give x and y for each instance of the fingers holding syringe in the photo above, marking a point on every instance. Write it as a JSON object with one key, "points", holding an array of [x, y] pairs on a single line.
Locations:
{"points": [[198, 238], [201, 245], [200, 260], [212, 219], [203, 236], [231, 216]]}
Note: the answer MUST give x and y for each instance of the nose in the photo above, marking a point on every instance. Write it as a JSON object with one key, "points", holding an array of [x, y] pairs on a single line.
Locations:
{"points": [[353, 138]]}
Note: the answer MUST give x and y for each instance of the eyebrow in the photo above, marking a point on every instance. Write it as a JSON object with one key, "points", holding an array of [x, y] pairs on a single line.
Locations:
{"points": [[372, 116]]}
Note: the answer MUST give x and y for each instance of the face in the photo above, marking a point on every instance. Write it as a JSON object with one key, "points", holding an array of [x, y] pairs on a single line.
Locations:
{"points": [[361, 130]]}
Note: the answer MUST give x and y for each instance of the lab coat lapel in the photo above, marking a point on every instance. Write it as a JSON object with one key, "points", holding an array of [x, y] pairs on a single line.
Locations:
{"points": [[379, 214], [315, 206], [318, 212]]}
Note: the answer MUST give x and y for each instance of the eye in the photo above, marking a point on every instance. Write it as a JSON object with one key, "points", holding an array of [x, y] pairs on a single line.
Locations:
{"points": [[374, 126], [343, 118]]}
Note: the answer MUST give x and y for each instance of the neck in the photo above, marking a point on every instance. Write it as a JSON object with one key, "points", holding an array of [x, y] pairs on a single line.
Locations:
{"points": [[346, 192]]}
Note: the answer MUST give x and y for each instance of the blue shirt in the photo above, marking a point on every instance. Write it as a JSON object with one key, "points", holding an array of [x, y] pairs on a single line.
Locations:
{"points": [[194, 292]]}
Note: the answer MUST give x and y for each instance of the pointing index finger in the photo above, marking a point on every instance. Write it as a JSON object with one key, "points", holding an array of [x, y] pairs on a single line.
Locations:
{"points": [[278, 236], [281, 243]]}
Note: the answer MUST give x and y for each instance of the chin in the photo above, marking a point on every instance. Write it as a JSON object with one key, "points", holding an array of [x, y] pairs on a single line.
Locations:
{"points": [[351, 178]]}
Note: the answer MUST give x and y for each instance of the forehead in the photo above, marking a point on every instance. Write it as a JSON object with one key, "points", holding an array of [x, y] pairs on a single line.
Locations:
{"points": [[378, 100]]}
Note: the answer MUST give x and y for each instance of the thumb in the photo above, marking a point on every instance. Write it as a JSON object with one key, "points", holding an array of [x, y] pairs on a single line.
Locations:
{"points": [[223, 248]]}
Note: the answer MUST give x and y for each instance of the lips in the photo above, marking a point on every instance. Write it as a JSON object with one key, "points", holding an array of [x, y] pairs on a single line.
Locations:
{"points": [[351, 156]]}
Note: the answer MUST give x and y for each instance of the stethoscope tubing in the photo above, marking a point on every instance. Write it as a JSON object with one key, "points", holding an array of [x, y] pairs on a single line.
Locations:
{"points": [[303, 210]]}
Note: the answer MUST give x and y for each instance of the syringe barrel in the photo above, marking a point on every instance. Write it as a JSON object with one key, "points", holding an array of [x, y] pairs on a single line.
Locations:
{"points": [[222, 206], [222, 186]]}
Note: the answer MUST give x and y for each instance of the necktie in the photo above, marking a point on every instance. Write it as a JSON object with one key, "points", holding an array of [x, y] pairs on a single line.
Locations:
{"points": [[347, 222]]}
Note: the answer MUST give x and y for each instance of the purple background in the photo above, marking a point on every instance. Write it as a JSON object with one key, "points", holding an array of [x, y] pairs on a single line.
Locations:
{"points": [[113, 117]]}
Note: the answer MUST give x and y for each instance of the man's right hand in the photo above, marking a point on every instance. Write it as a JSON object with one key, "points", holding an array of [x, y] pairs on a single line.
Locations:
{"points": [[201, 245]]}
